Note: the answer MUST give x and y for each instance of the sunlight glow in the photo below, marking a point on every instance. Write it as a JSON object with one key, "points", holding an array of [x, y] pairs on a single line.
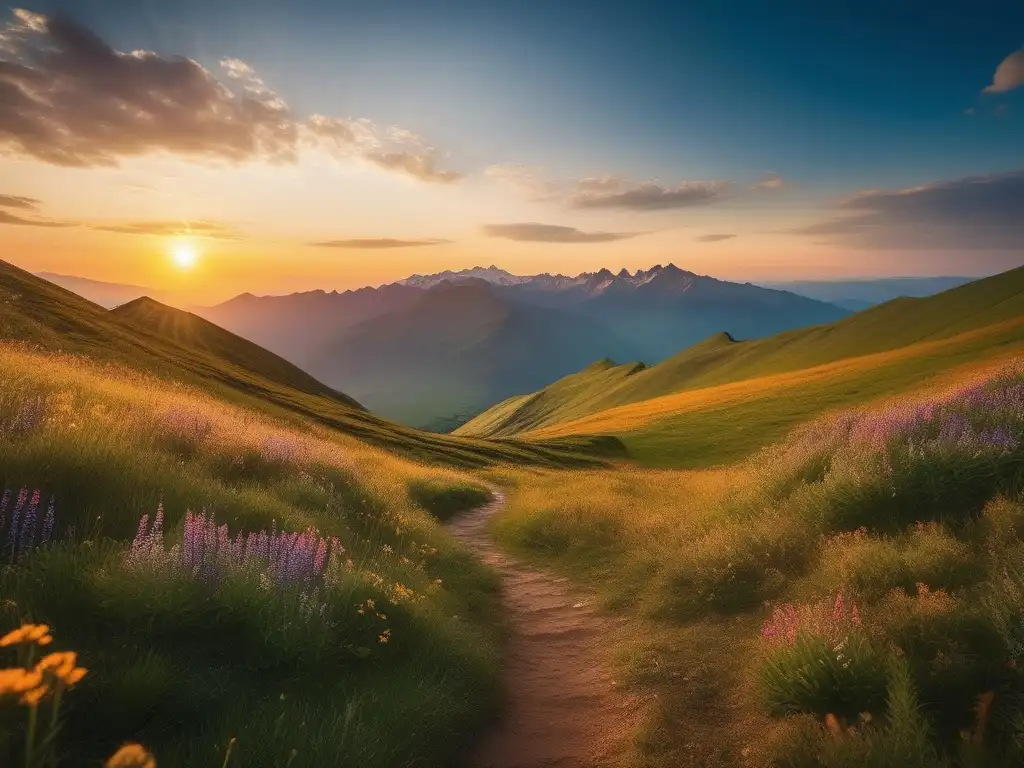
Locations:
{"points": [[184, 255]]}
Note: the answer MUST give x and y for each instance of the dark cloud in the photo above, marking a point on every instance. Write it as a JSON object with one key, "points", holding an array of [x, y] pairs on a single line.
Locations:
{"points": [[1009, 74], [983, 212], [372, 243], [713, 238], [617, 192], [14, 201], [550, 233], [69, 98], [208, 229]]}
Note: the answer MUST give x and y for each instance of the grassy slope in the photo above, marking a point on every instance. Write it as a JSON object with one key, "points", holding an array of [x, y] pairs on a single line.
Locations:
{"points": [[184, 665], [732, 397], [203, 355], [695, 561]]}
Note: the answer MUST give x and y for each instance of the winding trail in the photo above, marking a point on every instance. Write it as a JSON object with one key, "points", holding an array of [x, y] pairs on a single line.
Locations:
{"points": [[564, 708]]}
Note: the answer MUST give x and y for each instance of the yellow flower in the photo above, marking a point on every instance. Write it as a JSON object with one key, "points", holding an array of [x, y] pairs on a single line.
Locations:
{"points": [[33, 697], [27, 633], [18, 681], [62, 666], [131, 756]]}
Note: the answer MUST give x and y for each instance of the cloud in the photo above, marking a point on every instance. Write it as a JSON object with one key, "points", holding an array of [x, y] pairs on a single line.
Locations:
{"points": [[981, 212], [611, 191], [68, 98], [422, 166], [373, 243], [713, 238], [1009, 74], [10, 218], [532, 232], [15, 201], [161, 228], [617, 192], [770, 181]]}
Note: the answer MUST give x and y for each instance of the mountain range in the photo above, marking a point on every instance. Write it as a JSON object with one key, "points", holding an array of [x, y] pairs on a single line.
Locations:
{"points": [[715, 400], [433, 348]]}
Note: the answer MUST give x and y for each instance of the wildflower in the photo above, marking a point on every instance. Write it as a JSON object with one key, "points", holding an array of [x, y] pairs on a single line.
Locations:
{"points": [[27, 634], [131, 756], [62, 666], [385, 636], [18, 681], [32, 697]]}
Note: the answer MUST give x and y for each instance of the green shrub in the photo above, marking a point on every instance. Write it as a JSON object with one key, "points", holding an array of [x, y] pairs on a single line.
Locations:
{"points": [[444, 501], [817, 675]]}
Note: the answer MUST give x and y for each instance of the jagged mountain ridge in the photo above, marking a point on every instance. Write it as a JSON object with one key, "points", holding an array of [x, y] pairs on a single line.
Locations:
{"points": [[644, 315]]}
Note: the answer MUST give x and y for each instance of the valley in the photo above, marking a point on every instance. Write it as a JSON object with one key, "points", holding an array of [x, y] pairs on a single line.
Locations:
{"points": [[600, 560], [511, 385]]}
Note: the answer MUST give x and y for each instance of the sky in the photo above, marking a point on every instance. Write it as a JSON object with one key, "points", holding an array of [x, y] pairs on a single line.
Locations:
{"points": [[214, 147]]}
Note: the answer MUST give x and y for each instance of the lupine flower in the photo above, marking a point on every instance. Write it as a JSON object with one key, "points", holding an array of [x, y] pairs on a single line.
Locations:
{"points": [[21, 531], [49, 521], [208, 551], [27, 534]]}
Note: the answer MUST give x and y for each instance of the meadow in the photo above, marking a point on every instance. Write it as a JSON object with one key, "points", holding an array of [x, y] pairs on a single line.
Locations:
{"points": [[851, 595], [231, 581]]}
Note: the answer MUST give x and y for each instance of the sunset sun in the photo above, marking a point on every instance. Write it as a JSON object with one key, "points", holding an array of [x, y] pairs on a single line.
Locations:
{"points": [[184, 255]]}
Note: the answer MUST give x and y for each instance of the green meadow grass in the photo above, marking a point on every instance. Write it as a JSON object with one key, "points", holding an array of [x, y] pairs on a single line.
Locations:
{"points": [[185, 665], [173, 345], [718, 433], [895, 564]]}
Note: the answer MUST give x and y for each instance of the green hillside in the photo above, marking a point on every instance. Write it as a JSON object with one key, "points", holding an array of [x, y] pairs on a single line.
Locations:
{"points": [[721, 360], [150, 337], [208, 340]]}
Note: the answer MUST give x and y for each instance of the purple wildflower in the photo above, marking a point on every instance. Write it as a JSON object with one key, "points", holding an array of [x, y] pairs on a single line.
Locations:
{"points": [[27, 535], [12, 533], [51, 518]]}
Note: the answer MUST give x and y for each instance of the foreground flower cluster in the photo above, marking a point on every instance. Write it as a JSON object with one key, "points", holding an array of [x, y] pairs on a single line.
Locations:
{"points": [[207, 550], [19, 522]]}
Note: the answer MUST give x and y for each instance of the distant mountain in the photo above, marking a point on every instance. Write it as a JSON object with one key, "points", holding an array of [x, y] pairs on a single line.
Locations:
{"points": [[856, 295], [421, 351], [108, 295], [664, 309], [491, 274], [299, 325], [460, 348], [987, 313]]}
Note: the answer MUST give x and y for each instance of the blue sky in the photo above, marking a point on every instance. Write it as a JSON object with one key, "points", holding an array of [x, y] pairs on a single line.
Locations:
{"points": [[835, 98], [840, 94]]}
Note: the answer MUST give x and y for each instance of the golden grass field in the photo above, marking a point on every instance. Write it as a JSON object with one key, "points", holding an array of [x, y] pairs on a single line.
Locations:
{"points": [[1002, 338]]}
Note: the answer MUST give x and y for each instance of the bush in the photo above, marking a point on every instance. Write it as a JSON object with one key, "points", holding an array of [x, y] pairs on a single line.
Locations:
{"points": [[901, 740], [873, 566], [444, 501]]}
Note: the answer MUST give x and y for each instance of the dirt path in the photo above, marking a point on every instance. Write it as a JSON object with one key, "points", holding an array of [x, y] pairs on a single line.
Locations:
{"points": [[564, 708]]}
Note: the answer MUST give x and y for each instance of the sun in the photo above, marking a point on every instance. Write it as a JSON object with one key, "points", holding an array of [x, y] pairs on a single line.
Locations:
{"points": [[184, 255]]}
